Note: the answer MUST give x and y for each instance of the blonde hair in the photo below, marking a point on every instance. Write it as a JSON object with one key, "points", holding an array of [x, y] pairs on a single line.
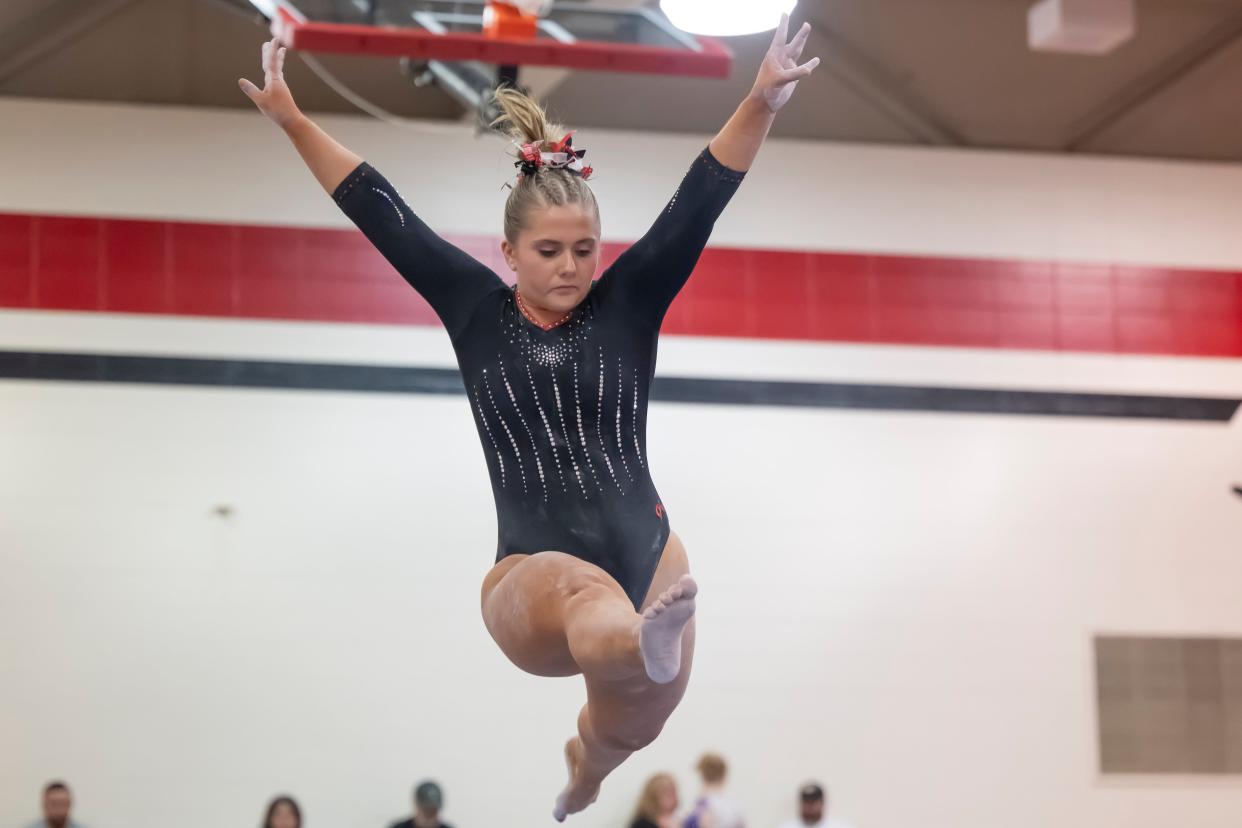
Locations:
{"points": [[525, 121], [649, 800], [712, 768]]}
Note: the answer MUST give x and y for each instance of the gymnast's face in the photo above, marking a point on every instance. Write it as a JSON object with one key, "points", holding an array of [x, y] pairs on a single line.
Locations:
{"points": [[555, 256]]}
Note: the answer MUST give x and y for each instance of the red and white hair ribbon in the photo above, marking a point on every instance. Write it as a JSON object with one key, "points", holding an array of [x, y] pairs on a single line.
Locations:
{"points": [[561, 156]]}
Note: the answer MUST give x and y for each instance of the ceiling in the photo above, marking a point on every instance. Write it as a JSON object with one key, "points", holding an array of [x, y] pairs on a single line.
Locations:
{"points": [[931, 72]]}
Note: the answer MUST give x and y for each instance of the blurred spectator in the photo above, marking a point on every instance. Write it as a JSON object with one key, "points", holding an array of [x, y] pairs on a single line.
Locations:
{"points": [[57, 802], [714, 808], [428, 800], [813, 810], [283, 812], [657, 807]]}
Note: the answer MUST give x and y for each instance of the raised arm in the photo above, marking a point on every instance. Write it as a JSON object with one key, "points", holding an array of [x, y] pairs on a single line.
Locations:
{"points": [[328, 161], [650, 273], [739, 140], [449, 279]]}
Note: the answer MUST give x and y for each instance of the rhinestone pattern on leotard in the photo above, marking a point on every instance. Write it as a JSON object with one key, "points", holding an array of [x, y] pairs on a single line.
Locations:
{"points": [[569, 412]]}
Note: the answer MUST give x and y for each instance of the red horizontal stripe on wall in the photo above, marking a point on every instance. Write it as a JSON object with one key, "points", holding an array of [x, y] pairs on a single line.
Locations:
{"points": [[164, 267]]}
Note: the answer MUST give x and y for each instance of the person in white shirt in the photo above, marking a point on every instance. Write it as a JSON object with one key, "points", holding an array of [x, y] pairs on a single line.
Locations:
{"points": [[813, 810], [714, 808]]}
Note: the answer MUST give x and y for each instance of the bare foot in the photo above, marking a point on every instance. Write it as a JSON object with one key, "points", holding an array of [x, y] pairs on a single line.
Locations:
{"points": [[576, 796], [659, 636]]}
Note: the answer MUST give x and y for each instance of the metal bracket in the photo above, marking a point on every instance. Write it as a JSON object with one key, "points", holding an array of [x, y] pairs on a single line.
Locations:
{"points": [[470, 83]]}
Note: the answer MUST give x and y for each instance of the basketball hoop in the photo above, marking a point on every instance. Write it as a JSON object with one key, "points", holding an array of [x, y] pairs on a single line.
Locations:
{"points": [[514, 18]]}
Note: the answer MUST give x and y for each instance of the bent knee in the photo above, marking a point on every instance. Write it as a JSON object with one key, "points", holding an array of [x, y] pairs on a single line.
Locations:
{"points": [[629, 741], [540, 651]]}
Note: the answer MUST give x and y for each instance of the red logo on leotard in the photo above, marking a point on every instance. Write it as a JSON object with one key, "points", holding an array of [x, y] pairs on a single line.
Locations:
{"points": [[660, 510]]}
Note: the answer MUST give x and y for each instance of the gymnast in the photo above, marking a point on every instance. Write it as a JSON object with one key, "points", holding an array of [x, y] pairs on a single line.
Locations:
{"points": [[589, 577]]}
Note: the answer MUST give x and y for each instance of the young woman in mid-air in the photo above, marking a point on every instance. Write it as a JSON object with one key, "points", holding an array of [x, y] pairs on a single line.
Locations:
{"points": [[589, 576]]}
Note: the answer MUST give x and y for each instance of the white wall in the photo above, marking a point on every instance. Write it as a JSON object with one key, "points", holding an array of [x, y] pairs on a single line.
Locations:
{"points": [[899, 604], [166, 162]]}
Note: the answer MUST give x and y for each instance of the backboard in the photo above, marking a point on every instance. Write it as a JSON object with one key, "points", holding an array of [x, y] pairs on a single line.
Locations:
{"points": [[574, 35]]}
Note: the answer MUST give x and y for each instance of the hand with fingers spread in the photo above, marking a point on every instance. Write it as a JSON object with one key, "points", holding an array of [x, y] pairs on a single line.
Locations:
{"points": [[328, 160], [274, 100], [780, 72]]}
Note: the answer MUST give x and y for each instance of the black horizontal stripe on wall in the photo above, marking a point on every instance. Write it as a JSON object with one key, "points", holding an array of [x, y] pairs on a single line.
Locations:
{"points": [[307, 376]]}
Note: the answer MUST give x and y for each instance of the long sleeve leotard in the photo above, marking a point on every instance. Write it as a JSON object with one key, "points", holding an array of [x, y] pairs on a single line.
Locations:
{"points": [[562, 413]]}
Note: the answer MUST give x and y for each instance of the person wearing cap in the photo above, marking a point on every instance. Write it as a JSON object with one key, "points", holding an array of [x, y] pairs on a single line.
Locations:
{"points": [[813, 810], [428, 800]]}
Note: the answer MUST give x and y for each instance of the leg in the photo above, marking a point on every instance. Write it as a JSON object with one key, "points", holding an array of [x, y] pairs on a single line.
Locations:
{"points": [[556, 615], [622, 717]]}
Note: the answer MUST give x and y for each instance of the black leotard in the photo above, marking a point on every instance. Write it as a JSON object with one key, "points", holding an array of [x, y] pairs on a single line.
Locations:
{"points": [[562, 414]]}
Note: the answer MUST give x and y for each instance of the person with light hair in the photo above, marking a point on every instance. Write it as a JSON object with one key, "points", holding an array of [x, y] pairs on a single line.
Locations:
{"points": [[589, 576], [657, 805], [714, 808]]}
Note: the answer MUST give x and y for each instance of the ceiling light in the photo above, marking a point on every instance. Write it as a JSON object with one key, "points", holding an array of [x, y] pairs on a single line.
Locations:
{"points": [[1085, 27], [726, 18]]}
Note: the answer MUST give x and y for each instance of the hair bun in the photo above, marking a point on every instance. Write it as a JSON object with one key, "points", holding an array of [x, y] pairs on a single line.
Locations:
{"points": [[523, 119]]}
